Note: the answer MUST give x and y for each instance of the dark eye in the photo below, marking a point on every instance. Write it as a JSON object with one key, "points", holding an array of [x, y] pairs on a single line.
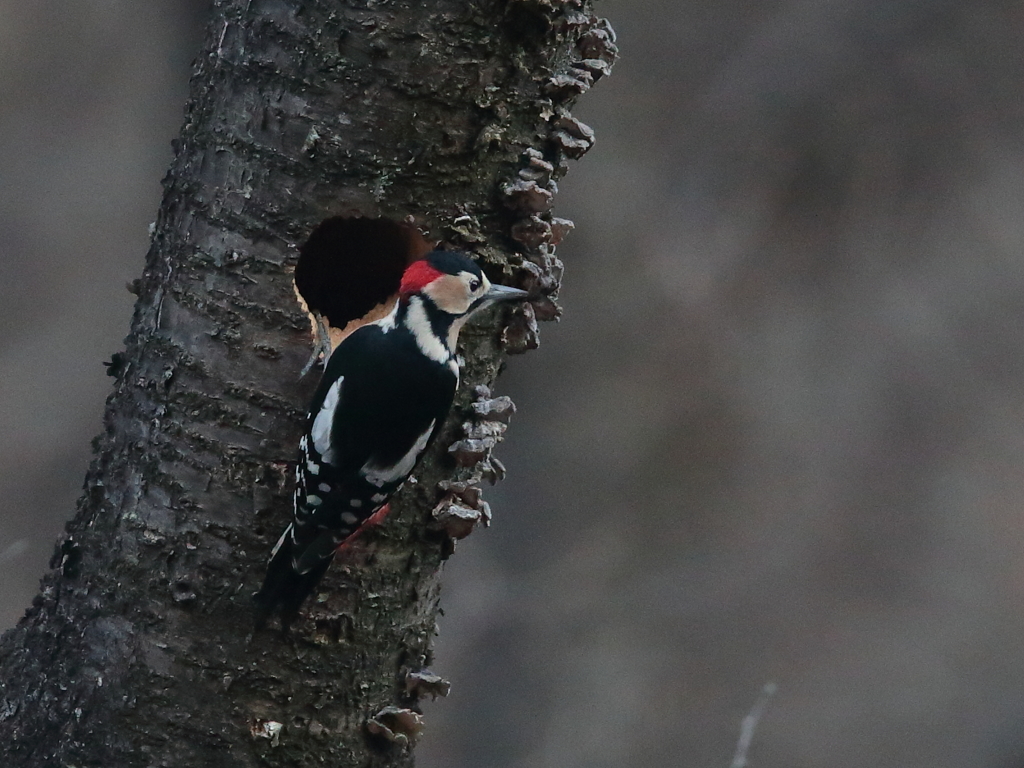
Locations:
{"points": [[474, 284]]}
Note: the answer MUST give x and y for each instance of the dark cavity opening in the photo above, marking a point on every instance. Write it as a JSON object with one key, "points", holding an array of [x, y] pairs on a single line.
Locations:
{"points": [[526, 25], [349, 266]]}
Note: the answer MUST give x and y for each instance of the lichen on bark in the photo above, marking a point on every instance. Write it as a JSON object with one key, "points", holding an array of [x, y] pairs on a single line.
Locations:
{"points": [[450, 115]]}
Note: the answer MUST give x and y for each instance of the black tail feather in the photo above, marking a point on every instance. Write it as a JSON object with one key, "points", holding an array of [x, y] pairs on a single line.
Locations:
{"points": [[284, 589]]}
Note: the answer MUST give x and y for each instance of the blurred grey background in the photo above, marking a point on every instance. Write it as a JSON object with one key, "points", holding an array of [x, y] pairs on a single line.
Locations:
{"points": [[778, 436]]}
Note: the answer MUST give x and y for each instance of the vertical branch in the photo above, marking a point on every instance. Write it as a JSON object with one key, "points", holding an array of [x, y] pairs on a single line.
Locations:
{"points": [[450, 116]]}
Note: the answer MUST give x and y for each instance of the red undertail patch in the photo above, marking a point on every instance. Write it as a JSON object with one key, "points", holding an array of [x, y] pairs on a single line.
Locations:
{"points": [[375, 519]]}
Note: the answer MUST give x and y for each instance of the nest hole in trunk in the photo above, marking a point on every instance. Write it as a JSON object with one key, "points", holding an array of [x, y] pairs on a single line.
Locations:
{"points": [[350, 268]]}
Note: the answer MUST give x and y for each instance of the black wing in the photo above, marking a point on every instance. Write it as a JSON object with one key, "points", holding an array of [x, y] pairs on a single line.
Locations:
{"points": [[378, 406]]}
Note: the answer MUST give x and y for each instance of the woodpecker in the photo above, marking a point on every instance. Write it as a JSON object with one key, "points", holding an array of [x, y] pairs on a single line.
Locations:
{"points": [[385, 392]]}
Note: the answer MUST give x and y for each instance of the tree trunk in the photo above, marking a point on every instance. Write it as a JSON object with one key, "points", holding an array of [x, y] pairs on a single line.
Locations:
{"points": [[139, 651]]}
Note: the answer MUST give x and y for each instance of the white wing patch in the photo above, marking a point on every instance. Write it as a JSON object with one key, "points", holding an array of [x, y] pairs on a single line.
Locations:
{"points": [[381, 476], [418, 323], [321, 431]]}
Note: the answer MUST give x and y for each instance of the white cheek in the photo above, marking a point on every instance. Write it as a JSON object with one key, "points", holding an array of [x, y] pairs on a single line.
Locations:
{"points": [[450, 294]]}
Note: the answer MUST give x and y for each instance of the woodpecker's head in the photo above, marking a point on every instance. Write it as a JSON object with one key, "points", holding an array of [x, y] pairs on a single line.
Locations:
{"points": [[453, 284]]}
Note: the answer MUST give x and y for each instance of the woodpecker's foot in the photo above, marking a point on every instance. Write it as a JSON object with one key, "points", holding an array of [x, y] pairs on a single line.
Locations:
{"points": [[321, 345]]}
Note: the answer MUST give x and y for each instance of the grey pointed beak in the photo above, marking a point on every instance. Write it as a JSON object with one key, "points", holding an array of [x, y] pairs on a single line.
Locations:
{"points": [[504, 293]]}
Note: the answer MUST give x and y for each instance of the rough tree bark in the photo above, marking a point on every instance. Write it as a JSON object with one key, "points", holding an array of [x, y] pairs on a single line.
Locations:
{"points": [[448, 115]]}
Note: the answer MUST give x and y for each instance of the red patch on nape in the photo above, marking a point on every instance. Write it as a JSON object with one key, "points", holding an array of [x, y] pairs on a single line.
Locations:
{"points": [[418, 276]]}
